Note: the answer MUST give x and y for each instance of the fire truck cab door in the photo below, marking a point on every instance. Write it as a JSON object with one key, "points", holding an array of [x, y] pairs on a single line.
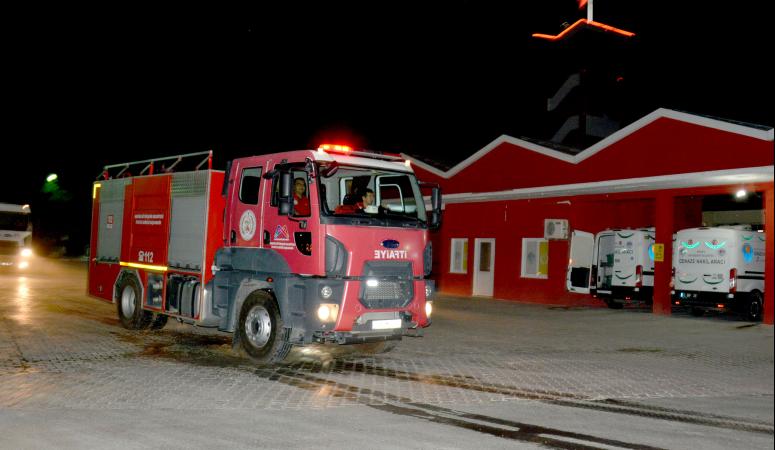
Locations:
{"points": [[245, 202], [294, 236]]}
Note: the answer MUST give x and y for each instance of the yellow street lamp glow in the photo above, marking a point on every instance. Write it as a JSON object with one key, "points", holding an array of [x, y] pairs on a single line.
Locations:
{"points": [[52, 177]]}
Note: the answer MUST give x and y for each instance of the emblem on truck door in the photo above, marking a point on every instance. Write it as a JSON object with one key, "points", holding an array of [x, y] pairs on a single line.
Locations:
{"points": [[247, 225]]}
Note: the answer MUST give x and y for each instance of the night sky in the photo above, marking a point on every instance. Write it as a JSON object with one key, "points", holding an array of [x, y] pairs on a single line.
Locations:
{"points": [[88, 87]]}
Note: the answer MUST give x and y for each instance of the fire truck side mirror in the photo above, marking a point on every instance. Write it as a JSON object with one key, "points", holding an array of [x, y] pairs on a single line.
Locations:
{"points": [[226, 180], [435, 221], [285, 200]]}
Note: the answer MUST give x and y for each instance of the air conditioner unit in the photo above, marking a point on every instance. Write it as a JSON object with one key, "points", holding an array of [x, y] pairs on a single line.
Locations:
{"points": [[555, 228]]}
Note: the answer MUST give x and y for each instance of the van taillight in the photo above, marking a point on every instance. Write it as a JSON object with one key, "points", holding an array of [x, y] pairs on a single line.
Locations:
{"points": [[672, 279], [732, 281], [638, 276]]}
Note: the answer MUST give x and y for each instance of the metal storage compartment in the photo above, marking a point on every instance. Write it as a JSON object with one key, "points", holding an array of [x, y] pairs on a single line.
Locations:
{"points": [[188, 219], [111, 219]]}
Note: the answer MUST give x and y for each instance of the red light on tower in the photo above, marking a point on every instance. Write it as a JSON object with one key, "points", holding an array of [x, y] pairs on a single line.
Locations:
{"points": [[589, 21]]}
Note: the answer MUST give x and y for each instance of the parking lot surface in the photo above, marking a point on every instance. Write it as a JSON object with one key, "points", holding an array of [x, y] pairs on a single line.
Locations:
{"points": [[488, 373]]}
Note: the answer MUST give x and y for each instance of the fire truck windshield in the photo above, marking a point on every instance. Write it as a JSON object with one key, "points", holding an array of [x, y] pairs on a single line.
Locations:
{"points": [[375, 193]]}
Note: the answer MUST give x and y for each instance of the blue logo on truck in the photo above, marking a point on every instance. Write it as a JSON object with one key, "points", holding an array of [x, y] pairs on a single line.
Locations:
{"points": [[390, 243]]}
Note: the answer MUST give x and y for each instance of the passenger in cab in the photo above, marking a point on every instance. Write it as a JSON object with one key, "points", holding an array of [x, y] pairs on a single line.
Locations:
{"points": [[300, 198]]}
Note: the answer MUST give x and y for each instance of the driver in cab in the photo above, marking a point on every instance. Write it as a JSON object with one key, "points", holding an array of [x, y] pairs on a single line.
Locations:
{"points": [[365, 205]]}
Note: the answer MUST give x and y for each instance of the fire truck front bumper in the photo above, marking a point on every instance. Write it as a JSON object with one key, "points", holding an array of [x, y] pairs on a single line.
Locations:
{"points": [[340, 312], [373, 327]]}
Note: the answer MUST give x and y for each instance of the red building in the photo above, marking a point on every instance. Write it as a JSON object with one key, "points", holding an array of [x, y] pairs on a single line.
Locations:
{"points": [[654, 172]]}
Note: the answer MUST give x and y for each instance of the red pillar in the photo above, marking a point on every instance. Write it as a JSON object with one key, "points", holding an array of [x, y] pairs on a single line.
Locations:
{"points": [[769, 226], [665, 209]]}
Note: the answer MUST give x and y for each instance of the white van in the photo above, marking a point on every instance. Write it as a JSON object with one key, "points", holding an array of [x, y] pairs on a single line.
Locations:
{"points": [[618, 265], [15, 236], [720, 269]]}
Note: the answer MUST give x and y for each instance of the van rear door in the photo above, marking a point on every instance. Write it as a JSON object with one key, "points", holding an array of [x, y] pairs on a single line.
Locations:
{"points": [[580, 262]]}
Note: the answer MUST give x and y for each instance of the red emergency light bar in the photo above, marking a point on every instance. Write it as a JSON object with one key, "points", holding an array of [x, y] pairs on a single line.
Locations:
{"points": [[579, 23], [347, 150], [335, 148]]}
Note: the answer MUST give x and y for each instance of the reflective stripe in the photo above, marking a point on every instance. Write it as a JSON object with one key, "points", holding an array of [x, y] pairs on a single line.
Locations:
{"points": [[143, 266]]}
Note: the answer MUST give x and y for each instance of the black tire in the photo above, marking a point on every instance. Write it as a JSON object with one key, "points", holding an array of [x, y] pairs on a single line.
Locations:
{"points": [[158, 322], [129, 303], [698, 312], [753, 310], [613, 304], [261, 330]]}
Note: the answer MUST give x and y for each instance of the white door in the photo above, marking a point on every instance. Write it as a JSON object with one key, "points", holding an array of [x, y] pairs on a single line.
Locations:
{"points": [[580, 262], [484, 268]]}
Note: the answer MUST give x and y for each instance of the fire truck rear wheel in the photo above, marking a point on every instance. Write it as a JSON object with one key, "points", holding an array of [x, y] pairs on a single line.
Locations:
{"points": [[130, 305], [261, 330]]}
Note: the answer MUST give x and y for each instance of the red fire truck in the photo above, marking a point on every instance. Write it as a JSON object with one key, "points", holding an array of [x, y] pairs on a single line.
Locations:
{"points": [[315, 246]]}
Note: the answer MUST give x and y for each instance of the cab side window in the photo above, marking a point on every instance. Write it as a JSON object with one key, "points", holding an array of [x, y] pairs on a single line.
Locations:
{"points": [[299, 190], [249, 185]]}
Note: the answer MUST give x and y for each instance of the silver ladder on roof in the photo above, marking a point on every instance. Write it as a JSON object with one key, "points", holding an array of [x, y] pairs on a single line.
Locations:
{"points": [[149, 164]]}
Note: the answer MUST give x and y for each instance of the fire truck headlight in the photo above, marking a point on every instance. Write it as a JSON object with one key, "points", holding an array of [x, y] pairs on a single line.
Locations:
{"points": [[328, 312], [428, 308], [27, 252], [24, 265], [372, 282], [326, 292]]}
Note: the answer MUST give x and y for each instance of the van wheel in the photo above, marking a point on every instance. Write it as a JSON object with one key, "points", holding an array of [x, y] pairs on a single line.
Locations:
{"points": [[613, 304], [261, 331], [130, 305], [698, 312], [754, 310]]}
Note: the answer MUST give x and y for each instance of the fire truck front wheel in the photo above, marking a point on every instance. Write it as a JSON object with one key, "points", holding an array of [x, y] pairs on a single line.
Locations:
{"points": [[130, 308], [261, 330]]}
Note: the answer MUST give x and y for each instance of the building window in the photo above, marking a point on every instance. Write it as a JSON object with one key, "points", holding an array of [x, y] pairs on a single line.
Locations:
{"points": [[459, 258], [535, 258]]}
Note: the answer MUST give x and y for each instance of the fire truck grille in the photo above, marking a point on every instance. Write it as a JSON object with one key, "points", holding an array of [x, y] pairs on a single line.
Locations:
{"points": [[391, 285], [9, 248]]}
